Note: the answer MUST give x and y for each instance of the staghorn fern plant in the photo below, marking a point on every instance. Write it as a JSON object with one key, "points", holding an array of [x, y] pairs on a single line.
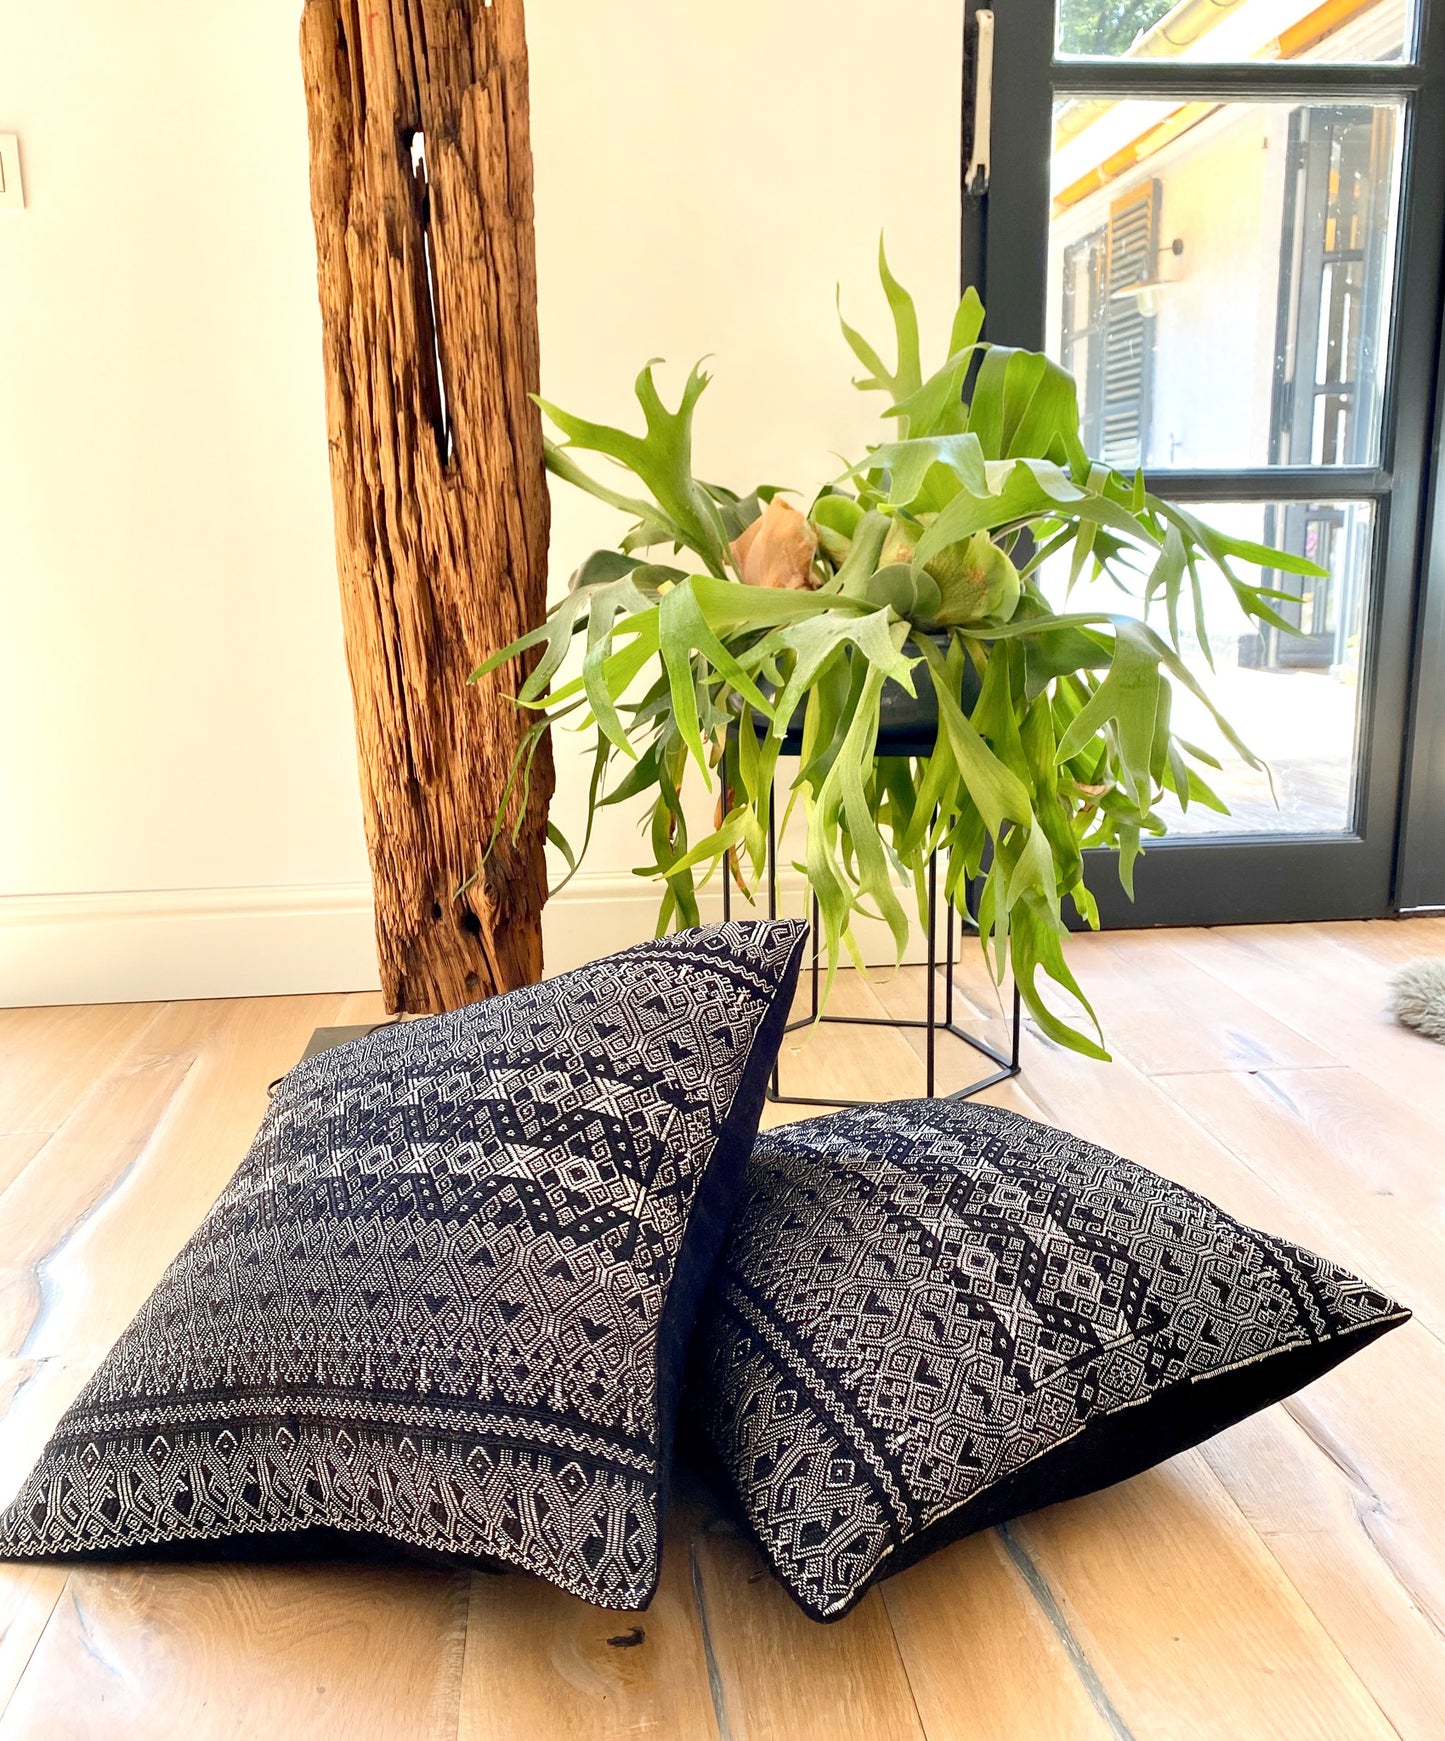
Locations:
{"points": [[920, 564]]}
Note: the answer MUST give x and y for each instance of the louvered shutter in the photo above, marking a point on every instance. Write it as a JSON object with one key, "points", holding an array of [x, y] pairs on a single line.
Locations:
{"points": [[1133, 249]]}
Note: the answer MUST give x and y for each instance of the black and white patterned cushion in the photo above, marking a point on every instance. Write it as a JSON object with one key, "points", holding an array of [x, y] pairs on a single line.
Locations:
{"points": [[931, 1317], [446, 1298]]}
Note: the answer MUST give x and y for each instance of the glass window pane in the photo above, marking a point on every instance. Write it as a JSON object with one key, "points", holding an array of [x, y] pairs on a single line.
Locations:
{"points": [[1231, 31], [1292, 698], [1220, 277]]}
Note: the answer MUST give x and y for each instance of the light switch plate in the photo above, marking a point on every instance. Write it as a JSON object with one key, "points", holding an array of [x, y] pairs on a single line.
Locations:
{"points": [[12, 189]]}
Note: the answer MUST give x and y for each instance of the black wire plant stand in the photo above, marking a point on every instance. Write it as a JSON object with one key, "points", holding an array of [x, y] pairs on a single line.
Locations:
{"points": [[903, 739]]}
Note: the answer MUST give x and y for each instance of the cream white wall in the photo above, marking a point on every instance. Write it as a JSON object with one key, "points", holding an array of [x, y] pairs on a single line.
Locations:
{"points": [[178, 796], [178, 805]]}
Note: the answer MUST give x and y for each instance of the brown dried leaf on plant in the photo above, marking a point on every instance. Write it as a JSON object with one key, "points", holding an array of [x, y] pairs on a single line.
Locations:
{"points": [[777, 549]]}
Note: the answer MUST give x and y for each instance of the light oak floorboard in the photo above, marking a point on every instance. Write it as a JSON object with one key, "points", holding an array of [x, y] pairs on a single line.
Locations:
{"points": [[1367, 1165], [987, 1653], [208, 1651], [1187, 1620], [357, 1007], [1285, 1581], [541, 1663], [28, 1595], [74, 1178], [17, 1149], [1166, 1014], [1338, 1539], [1331, 984], [782, 1676], [49, 1057], [33, 1394], [167, 1130]]}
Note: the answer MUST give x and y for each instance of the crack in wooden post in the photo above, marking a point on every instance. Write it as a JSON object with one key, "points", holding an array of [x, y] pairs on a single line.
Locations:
{"points": [[434, 386]]}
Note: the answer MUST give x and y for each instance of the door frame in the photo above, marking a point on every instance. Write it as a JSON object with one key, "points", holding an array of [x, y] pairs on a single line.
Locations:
{"points": [[1420, 885], [1267, 878]]}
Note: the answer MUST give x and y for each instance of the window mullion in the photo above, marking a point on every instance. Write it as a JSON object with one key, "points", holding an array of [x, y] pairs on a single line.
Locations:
{"points": [[1248, 81], [1273, 484]]}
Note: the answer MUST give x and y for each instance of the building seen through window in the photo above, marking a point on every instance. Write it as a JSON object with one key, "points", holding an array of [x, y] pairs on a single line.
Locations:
{"points": [[1220, 283]]}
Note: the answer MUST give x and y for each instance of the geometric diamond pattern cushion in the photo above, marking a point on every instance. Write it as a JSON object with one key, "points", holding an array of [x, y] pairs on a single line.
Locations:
{"points": [[446, 1298], [930, 1317]]}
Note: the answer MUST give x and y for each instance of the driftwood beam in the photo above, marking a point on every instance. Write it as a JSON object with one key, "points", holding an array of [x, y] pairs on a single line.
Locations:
{"points": [[421, 191]]}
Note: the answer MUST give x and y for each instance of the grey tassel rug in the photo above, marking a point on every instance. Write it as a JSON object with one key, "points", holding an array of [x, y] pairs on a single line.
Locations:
{"points": [[1417, 997]]}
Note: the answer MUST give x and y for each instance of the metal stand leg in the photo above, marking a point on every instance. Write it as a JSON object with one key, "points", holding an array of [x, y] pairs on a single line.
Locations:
{"points": [[930, 1047], [1006, 1062], [817, 959], [775, 1091]]}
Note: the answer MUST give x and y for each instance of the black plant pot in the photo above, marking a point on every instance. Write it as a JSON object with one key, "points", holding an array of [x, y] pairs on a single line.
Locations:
{"points": [[907, 724]]}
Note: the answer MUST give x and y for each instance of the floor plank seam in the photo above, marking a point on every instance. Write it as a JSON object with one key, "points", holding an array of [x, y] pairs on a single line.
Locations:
{"points": [[63, 1591], [1269, 1069], [110, 1070], [714, 1675], [1038, 1588], [467, 1583], [881, 1595], [1366, 1691], [1244, 996], [1375, 1506], [39, 1269]]}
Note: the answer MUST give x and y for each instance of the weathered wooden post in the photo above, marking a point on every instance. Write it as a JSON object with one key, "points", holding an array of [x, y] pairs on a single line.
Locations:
{"points": [[421, 189]]}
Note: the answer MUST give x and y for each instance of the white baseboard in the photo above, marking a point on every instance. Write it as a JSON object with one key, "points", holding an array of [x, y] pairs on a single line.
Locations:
{"points": [[152, 945], [598, 913]]}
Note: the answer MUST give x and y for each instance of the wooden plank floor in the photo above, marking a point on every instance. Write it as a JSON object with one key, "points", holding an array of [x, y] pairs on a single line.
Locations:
{"points": [[1285, 1582]]}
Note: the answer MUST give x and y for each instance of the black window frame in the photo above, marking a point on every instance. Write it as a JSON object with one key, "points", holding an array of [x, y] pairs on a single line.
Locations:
{"points": [[1387, 859]]}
